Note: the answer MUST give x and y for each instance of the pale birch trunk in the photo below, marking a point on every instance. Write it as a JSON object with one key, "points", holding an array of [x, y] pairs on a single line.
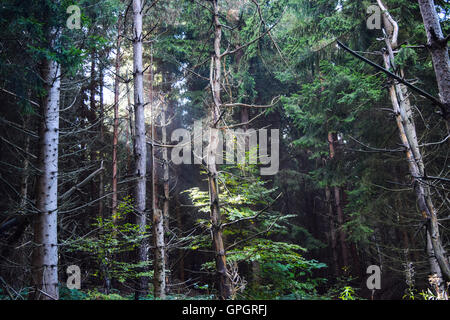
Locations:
{"points": [[45, 253], [402, 110], [415, 164]]}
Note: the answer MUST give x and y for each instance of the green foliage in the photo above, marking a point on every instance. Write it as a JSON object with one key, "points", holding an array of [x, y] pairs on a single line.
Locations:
{"points": [[72, 294], [347, 293], [283, 269], [331, 102], [343, 289], [406, 56], [96, 295], [114, 236]]}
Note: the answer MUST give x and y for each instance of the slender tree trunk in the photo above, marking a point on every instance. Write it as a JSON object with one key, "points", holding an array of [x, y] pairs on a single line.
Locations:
{"points": [[338, 205], [140, 147], [215, 79], [130, 129], [158, 228], [94, 122], [438, 47], [331, 214], [407, 131], [101, 183], [408, 136], [159, 276], [116, 120], [166, 186], [45, 253], [25, 168]]}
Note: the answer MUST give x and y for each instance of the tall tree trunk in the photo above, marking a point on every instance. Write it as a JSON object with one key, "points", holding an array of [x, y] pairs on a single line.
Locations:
{"points": [[438, 47], [25, 168], [23, 205], [130, 130], [159, 276], [328, 196], [158, 228], [408, 136], [45, 253], [166, 186], [116, 120], [215, 79], [140, 147], [101, 183], [94, 122]]}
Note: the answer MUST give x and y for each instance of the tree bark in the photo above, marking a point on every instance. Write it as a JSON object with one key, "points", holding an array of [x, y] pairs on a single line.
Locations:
{"points": [[159, 275], [215, 216], [166, 186], [116, 120], [130, 130], [438, 47], [140, 147], [94, 122], [408, 136], [101, 183], [45, 253]]}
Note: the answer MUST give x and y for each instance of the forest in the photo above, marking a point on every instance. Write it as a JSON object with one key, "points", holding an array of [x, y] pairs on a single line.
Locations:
{"points": [[224, 150]]}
